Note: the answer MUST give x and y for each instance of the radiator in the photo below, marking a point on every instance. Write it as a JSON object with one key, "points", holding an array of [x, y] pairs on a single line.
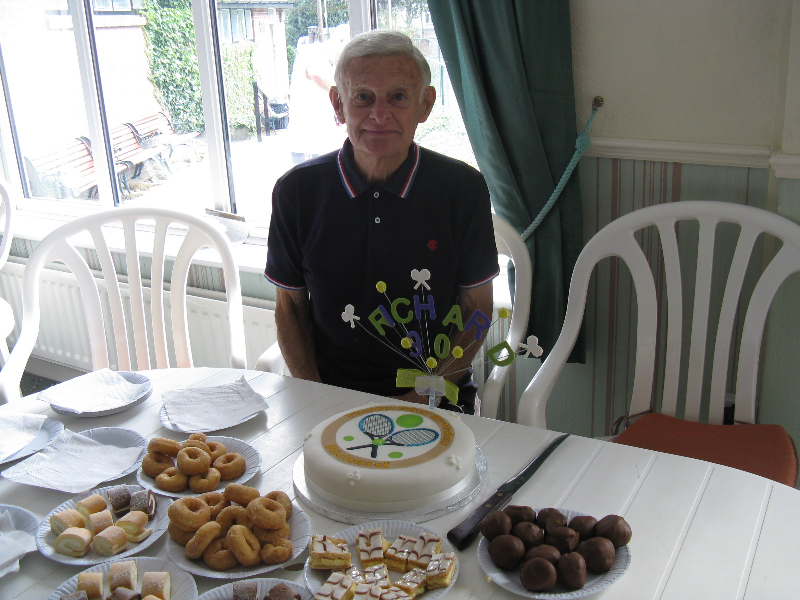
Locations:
{"points": [[62, 332]]}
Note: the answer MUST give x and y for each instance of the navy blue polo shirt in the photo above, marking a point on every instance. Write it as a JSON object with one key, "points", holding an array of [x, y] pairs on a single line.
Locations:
{"points": [[337, 235]]}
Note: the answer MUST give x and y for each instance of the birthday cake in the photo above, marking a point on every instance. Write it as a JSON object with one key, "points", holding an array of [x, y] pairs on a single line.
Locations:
{"points": [[389, 458]]}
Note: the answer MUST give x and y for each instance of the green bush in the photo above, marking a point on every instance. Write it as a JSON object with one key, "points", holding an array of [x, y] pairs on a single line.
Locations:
{"points": [[239, 75]]}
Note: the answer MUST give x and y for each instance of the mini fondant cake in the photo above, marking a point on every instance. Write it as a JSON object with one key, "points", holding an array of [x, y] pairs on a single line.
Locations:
{"points": [[388, 458]]}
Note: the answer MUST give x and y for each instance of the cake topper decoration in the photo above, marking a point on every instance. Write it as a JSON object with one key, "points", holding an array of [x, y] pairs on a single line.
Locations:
{"points": [[380, 430]]}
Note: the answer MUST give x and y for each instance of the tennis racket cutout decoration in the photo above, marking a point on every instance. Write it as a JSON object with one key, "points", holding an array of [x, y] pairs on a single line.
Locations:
{"points": [[379, 429]]}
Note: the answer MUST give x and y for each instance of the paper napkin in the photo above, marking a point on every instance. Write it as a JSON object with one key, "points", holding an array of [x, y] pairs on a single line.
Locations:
{"points": [[14, 544], [73, 463], [212, 408], [17, 430], [96, 391]]}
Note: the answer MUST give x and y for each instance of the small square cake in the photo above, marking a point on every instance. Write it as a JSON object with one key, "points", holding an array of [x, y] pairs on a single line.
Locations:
{"points": [[412, 582], [427, 545], [377, 575], [394, 593], [338, 586], [396, 556], [371, 547], [365, 591], [328, 553], [440, 570], [353, 572]]}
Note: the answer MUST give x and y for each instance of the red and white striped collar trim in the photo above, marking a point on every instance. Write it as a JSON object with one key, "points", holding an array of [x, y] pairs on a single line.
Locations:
{"points": [[399, 184]]}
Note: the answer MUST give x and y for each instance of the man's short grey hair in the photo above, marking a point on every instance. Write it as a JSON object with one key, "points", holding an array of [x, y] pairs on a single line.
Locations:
{"points": [[382, 43]]}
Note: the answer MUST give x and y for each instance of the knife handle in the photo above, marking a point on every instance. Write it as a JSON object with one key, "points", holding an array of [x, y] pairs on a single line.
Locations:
{"points": [[463, 534]]}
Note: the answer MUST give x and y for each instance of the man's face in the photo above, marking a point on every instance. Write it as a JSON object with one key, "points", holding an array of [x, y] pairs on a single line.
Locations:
{"points": [[382, 102]]}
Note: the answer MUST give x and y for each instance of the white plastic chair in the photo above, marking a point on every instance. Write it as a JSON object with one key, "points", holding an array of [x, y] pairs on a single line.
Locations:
{"points": [[60, 246], [509, 243], [617, 239], [6, 313]]}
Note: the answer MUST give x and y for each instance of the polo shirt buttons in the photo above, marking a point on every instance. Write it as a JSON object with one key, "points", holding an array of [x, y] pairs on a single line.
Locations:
{"points": [[377, 219], [376, 195]]}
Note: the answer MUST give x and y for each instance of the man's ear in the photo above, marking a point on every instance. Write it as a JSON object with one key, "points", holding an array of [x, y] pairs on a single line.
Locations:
{"points": [[336, 102], [428, 100]]}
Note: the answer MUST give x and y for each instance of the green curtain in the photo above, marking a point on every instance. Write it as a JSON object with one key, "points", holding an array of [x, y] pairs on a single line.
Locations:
{"points": [[510, 63]]}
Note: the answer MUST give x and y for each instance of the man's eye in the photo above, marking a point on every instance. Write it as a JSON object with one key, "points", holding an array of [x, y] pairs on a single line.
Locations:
{"points": [[362, 97], [399, 97]]}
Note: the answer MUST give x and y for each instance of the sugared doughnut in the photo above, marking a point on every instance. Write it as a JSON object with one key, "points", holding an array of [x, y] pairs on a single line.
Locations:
{"points": [[272, 536], [164, 446], [179, 535], [198, 436], [205, 482], [190, 443], [218, 556], [244, 545], [202, 539], [272, 554], [283, 499], [266, 513], [189, 514], [241, 494], [233, 515], [172, 480], [216, 449], [216, 501], [155, 463], [230, 465], [193, 461]]}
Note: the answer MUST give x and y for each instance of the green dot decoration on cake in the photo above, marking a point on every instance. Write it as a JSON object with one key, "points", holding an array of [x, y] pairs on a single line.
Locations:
{"points": [[395, 455], [348, 438], [409, 420]]}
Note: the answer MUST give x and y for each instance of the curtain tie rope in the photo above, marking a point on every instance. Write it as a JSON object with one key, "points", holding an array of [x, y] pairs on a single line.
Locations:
{"points": [[581, 145]]}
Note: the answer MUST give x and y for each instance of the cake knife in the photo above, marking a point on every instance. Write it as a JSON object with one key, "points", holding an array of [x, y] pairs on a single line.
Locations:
{"points": [[463, 534]]}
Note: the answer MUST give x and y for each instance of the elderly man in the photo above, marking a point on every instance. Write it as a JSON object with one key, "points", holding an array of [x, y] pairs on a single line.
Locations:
{"points": [[381, 223]]}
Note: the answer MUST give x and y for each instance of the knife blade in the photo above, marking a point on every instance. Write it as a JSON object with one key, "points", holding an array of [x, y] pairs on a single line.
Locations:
{"points": [[462, 535]]}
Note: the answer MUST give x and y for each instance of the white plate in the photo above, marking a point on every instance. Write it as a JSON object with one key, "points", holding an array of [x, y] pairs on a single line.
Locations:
{"points": [[164, 417], [182, 584], [21, 519], [252, 459], [301, 534], [45, 537], [49, 431], [225, 592], [390, 530], [130, 377], [121, 438], [509, 580]]}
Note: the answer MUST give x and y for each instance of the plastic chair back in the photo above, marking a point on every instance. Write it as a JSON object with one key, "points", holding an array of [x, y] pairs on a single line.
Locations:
{"points": [[7, 320]]}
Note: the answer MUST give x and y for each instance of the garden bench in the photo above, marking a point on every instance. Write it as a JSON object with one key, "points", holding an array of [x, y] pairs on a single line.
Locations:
{"points": [[67, 172], [158, 129], [129, 150]]}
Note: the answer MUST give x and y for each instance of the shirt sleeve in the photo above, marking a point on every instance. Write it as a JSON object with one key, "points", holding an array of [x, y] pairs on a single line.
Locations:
{"points": [[284, 247], [478, 262]]}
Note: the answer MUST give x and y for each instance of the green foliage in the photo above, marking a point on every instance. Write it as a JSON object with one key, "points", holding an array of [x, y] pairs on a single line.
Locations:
{"points": [[291, 54], [304, 15], [239, 75]]}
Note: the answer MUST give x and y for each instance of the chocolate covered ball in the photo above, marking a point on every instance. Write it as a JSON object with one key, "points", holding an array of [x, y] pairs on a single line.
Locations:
{"points": [[497, 523], [599, 554], [538, 575], [519, 514], [572, 570], [530, 533], [550, 515], [545, 551], [584, 525], [614, 528], [506, 551], [563, 538]]}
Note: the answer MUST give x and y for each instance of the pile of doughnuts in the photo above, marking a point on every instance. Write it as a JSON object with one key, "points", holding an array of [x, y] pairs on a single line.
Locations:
{"points": [[235, 527], [197, 464], [550, 549]]}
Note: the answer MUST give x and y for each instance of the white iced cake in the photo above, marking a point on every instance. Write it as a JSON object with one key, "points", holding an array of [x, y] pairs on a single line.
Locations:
{"points": [[389, 458]]}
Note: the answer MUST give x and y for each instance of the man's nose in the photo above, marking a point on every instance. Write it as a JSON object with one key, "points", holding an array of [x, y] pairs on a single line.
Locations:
{"points": [[381, 111]]}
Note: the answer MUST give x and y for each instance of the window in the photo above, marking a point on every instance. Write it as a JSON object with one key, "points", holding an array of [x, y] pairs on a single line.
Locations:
{"points": [[149, 123]]}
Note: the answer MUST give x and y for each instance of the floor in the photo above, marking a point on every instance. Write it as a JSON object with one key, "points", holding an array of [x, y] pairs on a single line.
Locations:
{"points": [[31, 384]]}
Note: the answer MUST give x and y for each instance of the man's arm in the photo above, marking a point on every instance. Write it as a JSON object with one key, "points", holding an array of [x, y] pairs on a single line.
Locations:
{"points": [[293, 321]]}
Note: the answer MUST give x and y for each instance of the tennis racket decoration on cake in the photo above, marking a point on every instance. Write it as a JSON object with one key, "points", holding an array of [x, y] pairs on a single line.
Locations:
{"points": [[379, 429], [432, 359]]}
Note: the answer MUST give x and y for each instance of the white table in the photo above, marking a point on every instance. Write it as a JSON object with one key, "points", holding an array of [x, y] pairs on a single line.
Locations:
{"points": [[699, 530]]}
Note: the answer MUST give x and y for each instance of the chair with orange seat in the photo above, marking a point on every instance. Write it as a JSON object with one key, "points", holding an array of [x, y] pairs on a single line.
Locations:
{"points": [[765, 450]]}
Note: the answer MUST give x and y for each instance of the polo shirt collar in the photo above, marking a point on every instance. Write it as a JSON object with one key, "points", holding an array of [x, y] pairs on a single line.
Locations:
{"points": [[398, 184]]}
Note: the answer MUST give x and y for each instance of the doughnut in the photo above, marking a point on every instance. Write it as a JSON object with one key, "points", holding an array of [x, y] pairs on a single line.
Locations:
{"points": [[189, 514], [266, 513], [216, 501], [230, 465], [193, 461], [196, 444], [271, 536], [198, 436], [204, 482], [283, 499], [217, 449], [179, 535], [164, 446], [201, 539], [244, 545], [272, 554], [241, 494], [218, 556], [155, 463], [233, 515], [172, 480]]}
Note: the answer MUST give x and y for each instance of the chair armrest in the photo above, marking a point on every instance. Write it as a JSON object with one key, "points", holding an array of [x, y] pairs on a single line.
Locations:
{"points": [[271, 360]]}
